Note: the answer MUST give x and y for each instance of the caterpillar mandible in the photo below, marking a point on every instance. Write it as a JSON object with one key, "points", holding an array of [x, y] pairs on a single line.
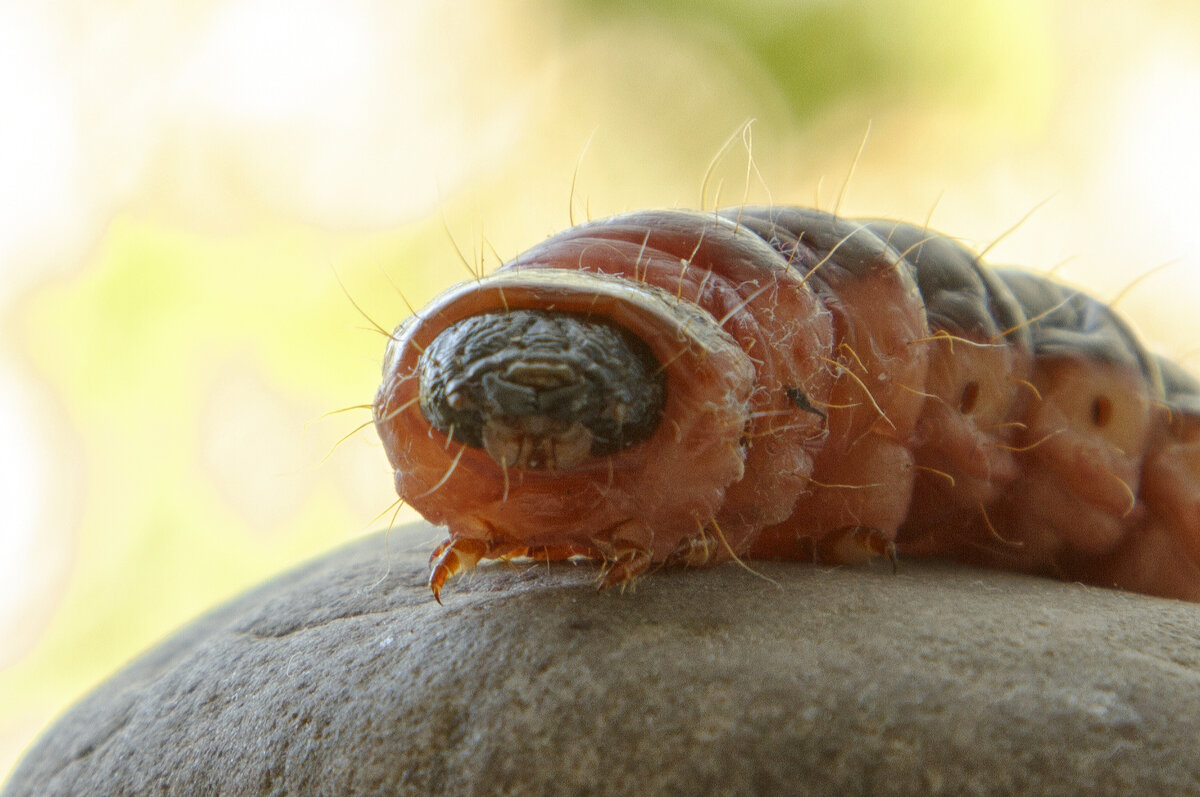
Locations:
{"points": [[677, 387]]}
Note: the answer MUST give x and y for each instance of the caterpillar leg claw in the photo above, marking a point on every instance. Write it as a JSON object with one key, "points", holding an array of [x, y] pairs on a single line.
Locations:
{"points": [[627, 552], [851, 545], [629, 563], [452, 557], [698, 550]]}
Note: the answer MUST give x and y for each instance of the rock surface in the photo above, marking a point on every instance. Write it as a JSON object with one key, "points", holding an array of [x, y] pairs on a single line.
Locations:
{"points": [[344, 677]]}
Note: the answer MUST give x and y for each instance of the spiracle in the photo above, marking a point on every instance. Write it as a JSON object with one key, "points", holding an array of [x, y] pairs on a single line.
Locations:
{"points": [[676, 387]]}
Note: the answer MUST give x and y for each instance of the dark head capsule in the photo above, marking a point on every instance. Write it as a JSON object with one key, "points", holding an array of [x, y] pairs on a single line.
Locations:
{"points": [[540, 390]]}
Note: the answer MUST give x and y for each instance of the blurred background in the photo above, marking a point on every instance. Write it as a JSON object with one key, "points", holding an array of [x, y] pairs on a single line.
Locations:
{"points": [[183, 184]]}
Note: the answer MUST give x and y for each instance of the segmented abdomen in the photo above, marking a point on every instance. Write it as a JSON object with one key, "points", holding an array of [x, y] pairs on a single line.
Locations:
{"points": [[823, 389]]}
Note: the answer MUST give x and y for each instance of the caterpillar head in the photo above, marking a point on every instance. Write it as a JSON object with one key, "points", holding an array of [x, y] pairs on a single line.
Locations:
{"points": [[539, 389], [550, 405]]}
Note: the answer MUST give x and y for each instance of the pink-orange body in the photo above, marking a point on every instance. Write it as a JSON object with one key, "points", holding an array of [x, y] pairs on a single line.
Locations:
{"points": [[818, 406]]}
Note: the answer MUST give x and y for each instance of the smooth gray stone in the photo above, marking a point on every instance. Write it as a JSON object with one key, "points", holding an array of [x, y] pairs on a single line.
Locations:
{"points": [[344, 677]]}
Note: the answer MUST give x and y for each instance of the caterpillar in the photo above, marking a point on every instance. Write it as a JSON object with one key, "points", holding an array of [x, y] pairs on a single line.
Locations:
{"points": [[685, 388]]}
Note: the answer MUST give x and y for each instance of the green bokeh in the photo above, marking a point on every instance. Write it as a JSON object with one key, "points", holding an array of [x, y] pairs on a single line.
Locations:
{"points": [[825, 54]]}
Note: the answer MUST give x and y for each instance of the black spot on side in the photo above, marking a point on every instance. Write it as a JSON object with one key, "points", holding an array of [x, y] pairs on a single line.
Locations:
{"points": [[800, 401]]}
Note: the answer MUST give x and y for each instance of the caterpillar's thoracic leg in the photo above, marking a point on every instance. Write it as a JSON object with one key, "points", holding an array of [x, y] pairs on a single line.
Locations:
{"points": [[853, 545], [455, 556], [699, 550], [627, 552], [629, 563]]}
